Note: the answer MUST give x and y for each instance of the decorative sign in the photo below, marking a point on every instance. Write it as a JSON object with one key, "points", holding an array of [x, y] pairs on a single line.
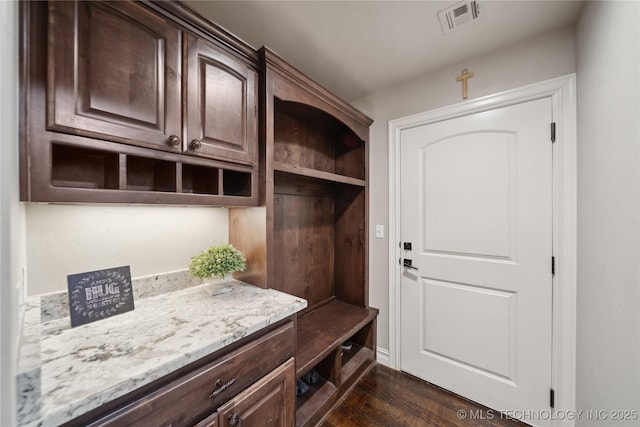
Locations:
{"points": [[96, 295]]}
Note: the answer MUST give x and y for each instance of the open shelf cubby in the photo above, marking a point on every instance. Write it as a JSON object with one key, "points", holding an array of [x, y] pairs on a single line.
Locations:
{"points": [[324, 329], [311, 139], [80, 167], [118, 173], [148, 174], [236, 183], [319, 228], [200, 179], [321, 333]]}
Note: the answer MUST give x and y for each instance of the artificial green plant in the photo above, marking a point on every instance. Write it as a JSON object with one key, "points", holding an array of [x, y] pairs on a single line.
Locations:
{"points": [[219, 260]]}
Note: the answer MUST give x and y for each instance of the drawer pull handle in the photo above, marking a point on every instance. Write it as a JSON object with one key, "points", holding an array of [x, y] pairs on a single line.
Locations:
{"points": [[221, 387], [233, 419]]}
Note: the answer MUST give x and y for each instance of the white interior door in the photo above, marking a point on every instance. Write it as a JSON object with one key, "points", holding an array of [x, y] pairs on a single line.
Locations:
{"points": [[476, 206]]}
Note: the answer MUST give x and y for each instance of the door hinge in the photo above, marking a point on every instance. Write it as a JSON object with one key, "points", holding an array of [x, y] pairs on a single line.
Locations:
{"points": [[552, 398], [553, 132], [553, 266]]}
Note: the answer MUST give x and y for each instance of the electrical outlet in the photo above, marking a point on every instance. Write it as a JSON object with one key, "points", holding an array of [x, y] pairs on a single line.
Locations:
{"points": [[379, 231]]}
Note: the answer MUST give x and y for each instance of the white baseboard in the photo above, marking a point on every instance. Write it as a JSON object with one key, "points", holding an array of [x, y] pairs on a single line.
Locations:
{"points": [[383, 357]]}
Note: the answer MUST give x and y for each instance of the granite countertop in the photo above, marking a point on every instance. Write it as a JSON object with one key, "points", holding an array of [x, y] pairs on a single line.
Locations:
{"points": [[65, 372]]}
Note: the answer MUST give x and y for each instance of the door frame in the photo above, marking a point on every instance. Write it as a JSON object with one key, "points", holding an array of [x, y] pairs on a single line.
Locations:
{"points": [[562, 91]]}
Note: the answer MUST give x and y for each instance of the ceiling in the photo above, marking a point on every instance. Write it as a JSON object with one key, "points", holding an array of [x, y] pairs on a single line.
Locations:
{"points": [[355, 48]]}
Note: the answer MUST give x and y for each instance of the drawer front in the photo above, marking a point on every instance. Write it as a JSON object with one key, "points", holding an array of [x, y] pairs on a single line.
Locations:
{"points": [[190, 399]]}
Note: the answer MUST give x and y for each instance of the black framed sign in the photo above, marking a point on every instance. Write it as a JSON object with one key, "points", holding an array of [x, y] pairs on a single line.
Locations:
{"points": [[96, 295]]}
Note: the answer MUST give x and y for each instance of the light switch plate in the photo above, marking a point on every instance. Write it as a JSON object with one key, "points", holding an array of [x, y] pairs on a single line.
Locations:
{"points": [[379, 231]]}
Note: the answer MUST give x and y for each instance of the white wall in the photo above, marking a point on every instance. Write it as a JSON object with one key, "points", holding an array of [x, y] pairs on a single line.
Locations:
{"points": [[608, 336], [12, 240], [67, 239], [541, 58]]}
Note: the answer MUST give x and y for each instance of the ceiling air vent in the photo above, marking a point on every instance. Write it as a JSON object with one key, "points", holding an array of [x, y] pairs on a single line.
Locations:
{"points": [[459, 14]]}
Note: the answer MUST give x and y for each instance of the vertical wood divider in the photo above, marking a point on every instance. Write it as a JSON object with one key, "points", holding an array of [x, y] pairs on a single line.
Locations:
{"points": [[178, 177], [221, 182], [122, 173]]}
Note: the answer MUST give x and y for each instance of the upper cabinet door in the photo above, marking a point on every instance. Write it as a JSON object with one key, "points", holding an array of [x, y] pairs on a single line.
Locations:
{"points": [[221, 110], [114, 73]]}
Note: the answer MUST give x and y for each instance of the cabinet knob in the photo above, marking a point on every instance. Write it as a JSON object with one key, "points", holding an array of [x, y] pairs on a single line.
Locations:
{"points": [[195, 144], [234, 419], [173, 140]]}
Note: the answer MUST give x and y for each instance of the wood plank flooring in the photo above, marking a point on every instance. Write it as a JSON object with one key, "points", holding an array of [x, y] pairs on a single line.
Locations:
{"points": [[385, 397]]}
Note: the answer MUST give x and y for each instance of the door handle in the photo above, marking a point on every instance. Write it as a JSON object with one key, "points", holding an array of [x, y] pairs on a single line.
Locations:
{"points": [[407, 263]]}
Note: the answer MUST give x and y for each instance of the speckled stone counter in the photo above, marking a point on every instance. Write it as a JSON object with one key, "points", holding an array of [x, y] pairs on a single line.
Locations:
{"points": [[65, 372]]}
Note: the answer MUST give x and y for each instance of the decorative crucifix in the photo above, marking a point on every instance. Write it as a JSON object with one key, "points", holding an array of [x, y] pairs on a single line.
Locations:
{"points": [[463, 78]]}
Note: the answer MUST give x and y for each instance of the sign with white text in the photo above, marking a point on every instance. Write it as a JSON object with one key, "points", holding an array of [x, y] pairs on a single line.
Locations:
{"points": [[96, 295]]}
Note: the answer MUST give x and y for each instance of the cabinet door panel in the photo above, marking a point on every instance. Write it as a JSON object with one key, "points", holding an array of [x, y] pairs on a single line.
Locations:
{"points": [[221, 104], [114, 72], [270, 401]]}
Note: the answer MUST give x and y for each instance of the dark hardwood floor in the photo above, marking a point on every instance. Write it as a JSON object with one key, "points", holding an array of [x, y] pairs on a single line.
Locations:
{"points": [[385, 397]]}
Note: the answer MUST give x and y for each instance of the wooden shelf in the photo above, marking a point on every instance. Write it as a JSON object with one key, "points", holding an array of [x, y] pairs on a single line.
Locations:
{"points": [[313, 173], [324, 329], [354, 362], [321, 394]]}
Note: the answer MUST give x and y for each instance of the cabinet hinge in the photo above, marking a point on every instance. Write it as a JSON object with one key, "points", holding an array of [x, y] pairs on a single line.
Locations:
{"points": [[552, 398], [553, 266], [553, 132]]}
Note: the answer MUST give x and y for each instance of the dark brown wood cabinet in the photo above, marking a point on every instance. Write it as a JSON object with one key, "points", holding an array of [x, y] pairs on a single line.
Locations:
{"points": [[130, 102], [221, 113], [147, 102], [310, 237], [254, 382], [114, 73], [269, 402]]}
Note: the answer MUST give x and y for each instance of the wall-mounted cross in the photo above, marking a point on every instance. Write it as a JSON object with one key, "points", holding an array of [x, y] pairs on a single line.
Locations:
{"points": [[463, 78]]}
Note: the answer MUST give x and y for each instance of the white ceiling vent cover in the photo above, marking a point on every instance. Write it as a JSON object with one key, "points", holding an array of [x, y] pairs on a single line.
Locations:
{"points": [[459, 14]]}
